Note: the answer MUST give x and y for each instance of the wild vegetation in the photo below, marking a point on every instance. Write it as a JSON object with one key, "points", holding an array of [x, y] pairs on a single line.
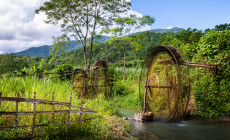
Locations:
{"points": [[211, 90]]}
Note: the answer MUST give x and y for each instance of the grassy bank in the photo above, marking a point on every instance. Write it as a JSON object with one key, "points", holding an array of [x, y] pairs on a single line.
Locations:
{"points": [[107, 125]]}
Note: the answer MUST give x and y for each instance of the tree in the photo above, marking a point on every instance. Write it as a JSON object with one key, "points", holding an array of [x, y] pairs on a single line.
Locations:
{"points": [[122, 34], [11, 63], [222, 27], [81, 19]]}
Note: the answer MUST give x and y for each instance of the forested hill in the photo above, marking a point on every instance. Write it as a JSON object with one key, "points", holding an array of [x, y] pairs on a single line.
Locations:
{"points": [[110, 53], [172, 30], [44, 50], [36, 51]]}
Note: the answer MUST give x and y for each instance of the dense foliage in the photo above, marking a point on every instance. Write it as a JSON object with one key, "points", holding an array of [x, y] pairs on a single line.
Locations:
{"points": [[12, 64], [211, 89], [112, 54], [64, 68]]}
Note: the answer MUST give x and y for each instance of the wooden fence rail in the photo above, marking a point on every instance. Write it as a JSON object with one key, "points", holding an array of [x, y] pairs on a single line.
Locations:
{"points": [[34, 112]]}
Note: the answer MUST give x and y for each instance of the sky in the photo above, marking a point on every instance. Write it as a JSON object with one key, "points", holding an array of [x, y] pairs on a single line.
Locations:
{"points": [[21, 28], [200, 14]]}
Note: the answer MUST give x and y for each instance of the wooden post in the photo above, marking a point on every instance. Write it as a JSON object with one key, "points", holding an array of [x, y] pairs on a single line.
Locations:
{"points": [[80, 109], [70, 100], [146, 88], [53, 108], [16, 116], [34, 114]]}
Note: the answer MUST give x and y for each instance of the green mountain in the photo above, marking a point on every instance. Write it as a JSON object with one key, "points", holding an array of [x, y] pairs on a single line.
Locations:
{"points": [[172, 30], [44, 50], [36, 51]]}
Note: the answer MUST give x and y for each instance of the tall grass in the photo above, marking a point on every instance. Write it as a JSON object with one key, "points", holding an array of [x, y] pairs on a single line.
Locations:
{"points": [[9, 86], [100, 128], [126, 92]]}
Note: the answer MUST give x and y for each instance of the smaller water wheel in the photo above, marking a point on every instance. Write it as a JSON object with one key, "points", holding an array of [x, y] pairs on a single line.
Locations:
{"points": [[165, 83], [79, 81], [93, 81], [101, 78]]}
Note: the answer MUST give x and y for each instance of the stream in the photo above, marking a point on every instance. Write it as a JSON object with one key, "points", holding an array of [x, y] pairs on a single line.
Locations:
{"points": [[186, 130]]}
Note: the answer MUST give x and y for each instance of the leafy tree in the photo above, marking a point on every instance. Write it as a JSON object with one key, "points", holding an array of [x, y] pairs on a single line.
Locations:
{"points": [[10, 63], [126, 27], [222, 27], [81, 19], [214, 47], [186, 41]]}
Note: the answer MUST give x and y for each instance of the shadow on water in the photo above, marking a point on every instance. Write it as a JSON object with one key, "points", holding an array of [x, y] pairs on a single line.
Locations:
{"points": [[185, 130]]}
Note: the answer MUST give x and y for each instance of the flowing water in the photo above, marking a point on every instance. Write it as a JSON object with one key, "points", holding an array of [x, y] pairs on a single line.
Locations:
{"points": [[185, 130]]}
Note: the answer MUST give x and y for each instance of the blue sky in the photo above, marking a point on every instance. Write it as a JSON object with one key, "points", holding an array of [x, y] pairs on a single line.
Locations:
{"points": [[200, 14]]}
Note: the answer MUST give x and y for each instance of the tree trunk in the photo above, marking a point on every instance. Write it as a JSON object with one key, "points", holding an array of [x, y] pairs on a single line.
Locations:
{"points": [[85, 77], [124, 61], [90, 52], [84, 52]]}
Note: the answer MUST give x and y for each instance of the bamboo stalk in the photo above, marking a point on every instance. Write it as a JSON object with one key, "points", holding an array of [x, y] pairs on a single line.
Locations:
{"points": [[70, 100], [53, 108], [38, 101], [81, 109], [16, 114], [46, 112], [34, 115]]}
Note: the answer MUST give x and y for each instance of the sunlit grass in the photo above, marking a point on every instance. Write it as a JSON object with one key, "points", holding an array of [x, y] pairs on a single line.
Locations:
{"points": [[10, 86]]}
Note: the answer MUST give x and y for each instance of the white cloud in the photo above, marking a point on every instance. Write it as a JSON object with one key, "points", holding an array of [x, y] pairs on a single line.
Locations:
{"points": [[169, 27], [21, 28]]}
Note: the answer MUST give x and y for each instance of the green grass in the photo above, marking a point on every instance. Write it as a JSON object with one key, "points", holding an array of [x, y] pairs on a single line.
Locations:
{"points": [[107, 124]]}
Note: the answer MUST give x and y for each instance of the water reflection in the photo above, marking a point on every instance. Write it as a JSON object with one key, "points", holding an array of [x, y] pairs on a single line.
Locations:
{"points": [[185, 130]]}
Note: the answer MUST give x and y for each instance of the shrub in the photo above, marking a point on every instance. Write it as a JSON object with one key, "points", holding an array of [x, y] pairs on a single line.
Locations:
{"points": [[64, 68]]}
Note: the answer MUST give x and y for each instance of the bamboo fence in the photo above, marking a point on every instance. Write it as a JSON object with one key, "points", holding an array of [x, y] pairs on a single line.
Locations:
{"points": [[35, 101]]}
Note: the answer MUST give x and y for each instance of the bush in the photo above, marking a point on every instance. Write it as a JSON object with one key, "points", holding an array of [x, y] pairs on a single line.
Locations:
{"points": [[210, 100], [64, 68]]}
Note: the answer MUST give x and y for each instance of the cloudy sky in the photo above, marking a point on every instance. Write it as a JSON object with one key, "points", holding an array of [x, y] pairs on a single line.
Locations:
{"points": [[21, 28]]}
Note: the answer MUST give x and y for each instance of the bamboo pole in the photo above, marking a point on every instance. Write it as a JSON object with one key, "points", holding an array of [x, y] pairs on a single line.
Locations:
{"points": [[80, 109], [34, 114], [16, 115], [70, 100], [53, 108]]}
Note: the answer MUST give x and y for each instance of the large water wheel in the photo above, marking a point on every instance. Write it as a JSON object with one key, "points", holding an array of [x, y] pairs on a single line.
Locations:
{"points": [[165, 84]]}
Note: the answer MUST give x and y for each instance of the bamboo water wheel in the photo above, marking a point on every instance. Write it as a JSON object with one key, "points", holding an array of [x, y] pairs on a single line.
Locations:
{"points": [[101, 78], [165, 83], [94, 81]]}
